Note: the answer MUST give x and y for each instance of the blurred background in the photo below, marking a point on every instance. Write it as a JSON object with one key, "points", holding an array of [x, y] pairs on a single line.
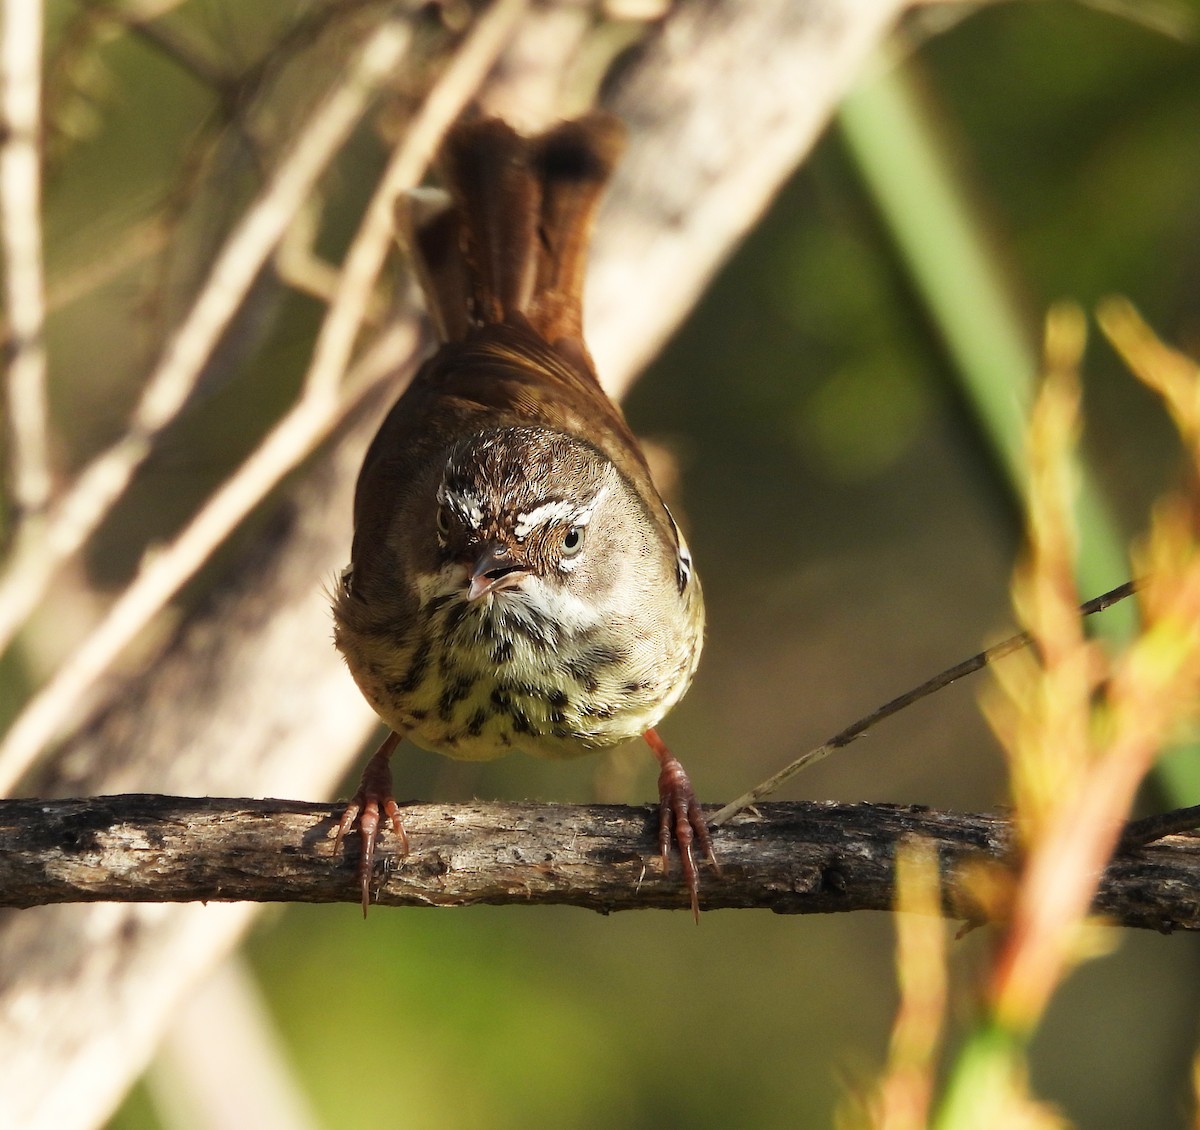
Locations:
{"points": [[852, 517]]}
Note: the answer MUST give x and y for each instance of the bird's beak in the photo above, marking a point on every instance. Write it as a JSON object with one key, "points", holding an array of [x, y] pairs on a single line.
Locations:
{"points": [[495, 568]]}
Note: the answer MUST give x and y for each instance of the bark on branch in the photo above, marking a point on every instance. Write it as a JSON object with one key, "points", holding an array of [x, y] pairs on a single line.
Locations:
{"points": [[797, 858]]}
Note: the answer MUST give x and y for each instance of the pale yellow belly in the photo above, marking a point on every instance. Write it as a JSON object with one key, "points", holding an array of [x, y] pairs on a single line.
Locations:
{"points": [[480, 687]]}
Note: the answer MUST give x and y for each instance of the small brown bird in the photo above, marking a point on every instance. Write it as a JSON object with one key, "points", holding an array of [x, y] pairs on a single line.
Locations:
{"points": [[515, 580]]}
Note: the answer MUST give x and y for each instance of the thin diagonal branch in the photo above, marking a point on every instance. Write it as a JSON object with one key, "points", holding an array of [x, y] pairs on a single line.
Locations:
{"points": [[938, 682], [367, 253], [162, 575]]}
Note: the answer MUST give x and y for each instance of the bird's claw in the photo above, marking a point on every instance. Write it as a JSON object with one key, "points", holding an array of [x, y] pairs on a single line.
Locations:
{"points": [[681, 819], [370, 806]]}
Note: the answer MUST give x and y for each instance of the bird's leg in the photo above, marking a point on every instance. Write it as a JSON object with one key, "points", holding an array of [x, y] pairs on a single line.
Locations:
{"points": [[680, 817], [369, 806]]}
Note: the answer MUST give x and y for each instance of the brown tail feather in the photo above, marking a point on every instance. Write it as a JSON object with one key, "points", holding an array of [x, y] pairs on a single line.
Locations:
{"points": [[574, 161], [514, 245]]}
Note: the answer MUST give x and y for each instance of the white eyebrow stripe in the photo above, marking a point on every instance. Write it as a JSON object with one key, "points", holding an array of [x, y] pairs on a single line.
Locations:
{"points": [[558, 510], [541, 516]]}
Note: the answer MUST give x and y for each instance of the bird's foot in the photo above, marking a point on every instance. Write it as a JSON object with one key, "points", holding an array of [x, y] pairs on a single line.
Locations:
{"points": [[680, 819], [368, 809]]}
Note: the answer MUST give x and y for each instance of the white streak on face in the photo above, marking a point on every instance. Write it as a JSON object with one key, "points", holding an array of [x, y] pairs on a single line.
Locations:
{"points": [[467, 506], [536, 600], [584, 515], [530, 520], [557, 511]]}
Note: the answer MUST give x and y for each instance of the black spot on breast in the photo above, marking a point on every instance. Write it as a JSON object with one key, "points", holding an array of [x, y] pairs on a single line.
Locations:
{"points": [[596, 657], [602, 655], [454, 692], [635, 686], [597, 710], [520, 721], [557, 698], [540, 632], [418, 667], [449, 664], [477, 722], [503, 651], [455, 617]]}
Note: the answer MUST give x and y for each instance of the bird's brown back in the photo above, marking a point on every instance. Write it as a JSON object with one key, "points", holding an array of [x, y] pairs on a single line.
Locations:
{"points": [[502, 269]]}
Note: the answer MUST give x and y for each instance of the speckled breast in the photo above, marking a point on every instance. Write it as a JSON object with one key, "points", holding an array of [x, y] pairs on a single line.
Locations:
{"points": [[489, 677]]}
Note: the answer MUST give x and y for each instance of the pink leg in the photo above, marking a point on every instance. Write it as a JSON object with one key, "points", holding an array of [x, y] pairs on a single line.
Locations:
{"points": [[373, 801], [680, 818]]}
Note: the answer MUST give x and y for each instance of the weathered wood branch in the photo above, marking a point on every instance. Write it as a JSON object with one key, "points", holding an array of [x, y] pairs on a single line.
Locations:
{"points": [[798, 858]]}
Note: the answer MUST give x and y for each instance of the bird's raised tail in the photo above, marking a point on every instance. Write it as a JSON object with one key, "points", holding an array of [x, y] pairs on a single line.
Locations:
{"points": [[510, 242]]}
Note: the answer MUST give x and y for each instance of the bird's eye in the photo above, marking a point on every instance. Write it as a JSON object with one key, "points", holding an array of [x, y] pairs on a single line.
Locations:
{"points": [[443, 520], [573, 542]]}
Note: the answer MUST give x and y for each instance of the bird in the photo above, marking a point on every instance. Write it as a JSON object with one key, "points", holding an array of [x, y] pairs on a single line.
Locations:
{"points": [[516, 580]]}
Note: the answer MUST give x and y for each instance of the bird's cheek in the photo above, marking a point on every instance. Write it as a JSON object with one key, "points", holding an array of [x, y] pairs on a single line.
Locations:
{"points": [[599, 574]]}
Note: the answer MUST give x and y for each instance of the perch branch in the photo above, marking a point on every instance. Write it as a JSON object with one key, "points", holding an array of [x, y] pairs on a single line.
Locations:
{"points": [[795, 858]]}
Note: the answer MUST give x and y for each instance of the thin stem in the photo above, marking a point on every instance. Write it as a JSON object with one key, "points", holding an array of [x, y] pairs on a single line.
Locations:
{"points": [[904, 163], [856, 729], [21, 240]]}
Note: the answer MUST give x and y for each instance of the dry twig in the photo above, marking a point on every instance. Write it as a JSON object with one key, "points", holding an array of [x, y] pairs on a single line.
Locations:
{"points": [[792, 858]]}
